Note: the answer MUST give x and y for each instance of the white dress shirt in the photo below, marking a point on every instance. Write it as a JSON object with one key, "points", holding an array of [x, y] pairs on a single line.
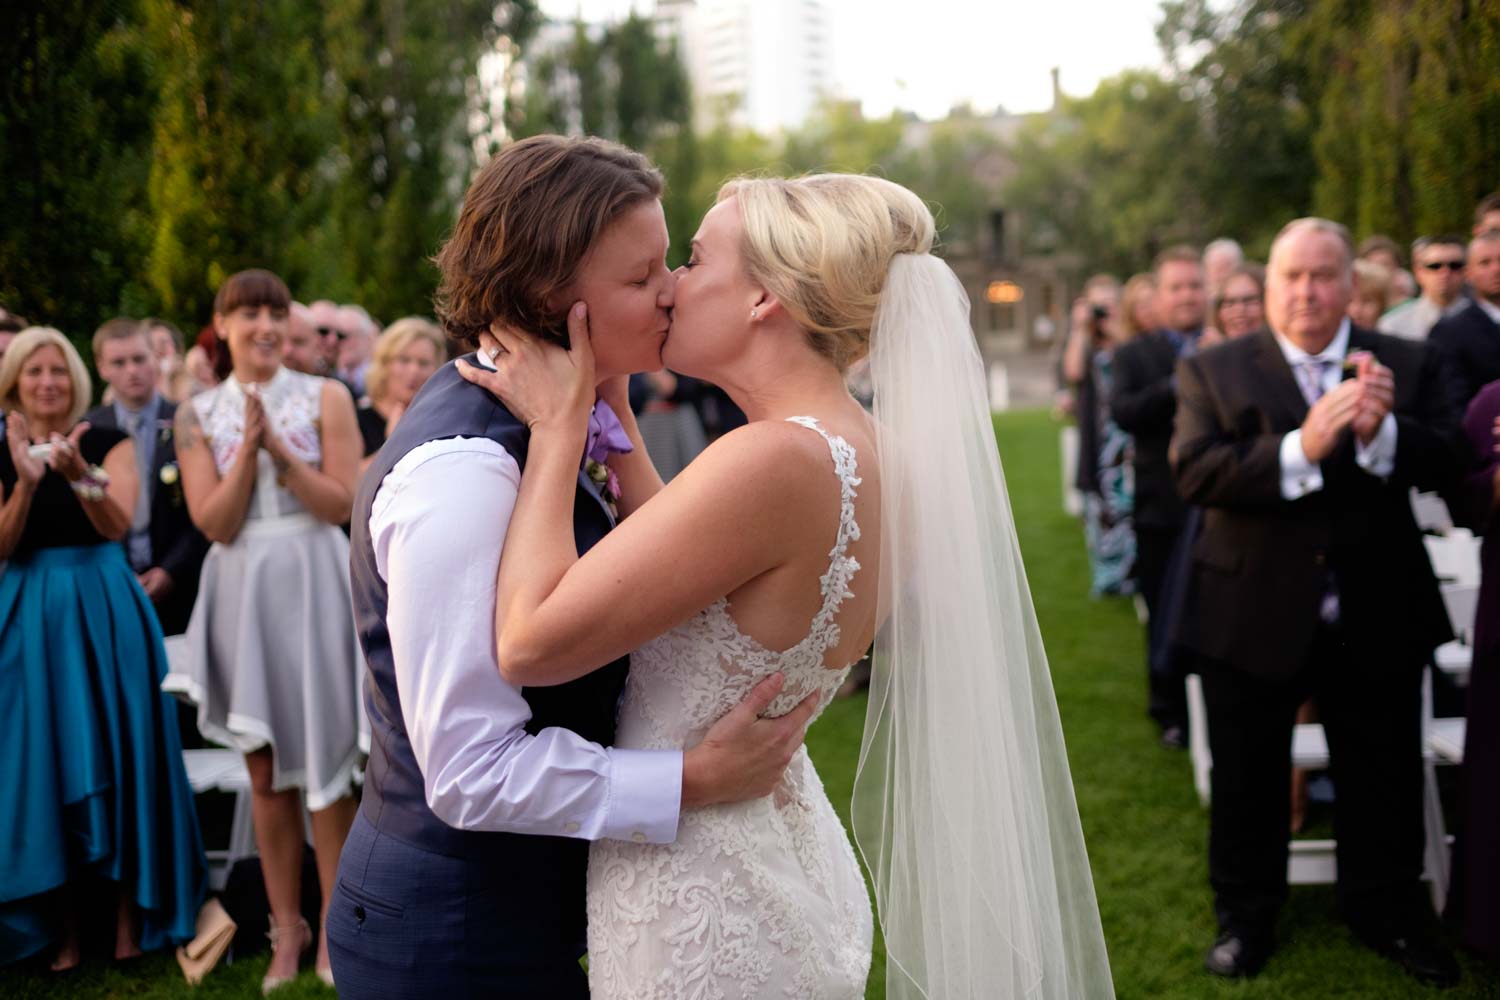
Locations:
{"points": [[438, 524], [1299, 476]]}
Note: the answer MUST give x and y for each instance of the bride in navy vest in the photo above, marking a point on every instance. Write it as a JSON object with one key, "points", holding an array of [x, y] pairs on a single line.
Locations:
{"points": [[785, 550]]}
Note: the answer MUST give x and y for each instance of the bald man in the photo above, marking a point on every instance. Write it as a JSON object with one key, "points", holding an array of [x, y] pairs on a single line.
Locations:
{"points": [[1310, 579]]}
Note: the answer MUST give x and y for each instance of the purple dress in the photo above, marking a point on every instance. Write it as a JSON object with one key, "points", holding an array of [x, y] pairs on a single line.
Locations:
{"points": [[1474, 897]]}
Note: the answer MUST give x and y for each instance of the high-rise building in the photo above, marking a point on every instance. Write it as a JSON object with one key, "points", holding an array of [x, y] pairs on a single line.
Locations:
{"points": [[766, 62]]}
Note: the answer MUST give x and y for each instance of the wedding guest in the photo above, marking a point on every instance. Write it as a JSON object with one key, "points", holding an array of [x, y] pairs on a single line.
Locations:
{"points": [[1381, 250], [326, 322], [1487, 214], [1238, 308], [1372, 293], [355, 347], [205, 361], [164, 548], [1103, 449], [95, 795], [1310, 577], [1143, 403], [1138, 307], [1470, 339], [268, 461], [303, 351], [1438, 262], [663, 403], [172, 382], [1474, 893], [1220, 258], [406, 355]]}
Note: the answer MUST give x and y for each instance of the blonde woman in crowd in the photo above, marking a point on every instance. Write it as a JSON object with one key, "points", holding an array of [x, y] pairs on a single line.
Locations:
{"points": [[406, 355], [95, 797]]}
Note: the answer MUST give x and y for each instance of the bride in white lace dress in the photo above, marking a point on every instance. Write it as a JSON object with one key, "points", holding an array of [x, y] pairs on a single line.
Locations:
{"points": [[772, 553]]}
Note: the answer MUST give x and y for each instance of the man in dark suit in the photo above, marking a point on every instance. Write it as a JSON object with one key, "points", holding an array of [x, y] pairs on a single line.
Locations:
{"points": [[164, 548], [1143, 401], [1310, 579], [1471, 338]]}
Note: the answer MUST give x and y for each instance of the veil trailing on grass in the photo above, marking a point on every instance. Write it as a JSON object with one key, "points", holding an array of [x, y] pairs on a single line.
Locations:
{"points": [[963, 802]]}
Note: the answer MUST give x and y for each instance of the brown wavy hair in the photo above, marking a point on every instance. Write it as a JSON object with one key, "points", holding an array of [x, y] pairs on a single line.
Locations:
{"points": [[527, 223]]}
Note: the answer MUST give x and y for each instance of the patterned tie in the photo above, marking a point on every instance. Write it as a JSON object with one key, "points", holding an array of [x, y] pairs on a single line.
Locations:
{"points": [[1310, 373]]}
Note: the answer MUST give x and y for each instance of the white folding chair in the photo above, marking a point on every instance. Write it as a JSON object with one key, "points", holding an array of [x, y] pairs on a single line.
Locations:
{"points": [[1431, 512], [1462, 602], [1454, 556], [1314, 862], [215, 769]]}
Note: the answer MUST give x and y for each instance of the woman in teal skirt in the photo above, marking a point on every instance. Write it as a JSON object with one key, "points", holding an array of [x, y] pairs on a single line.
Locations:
{"points": [[96, 803]]}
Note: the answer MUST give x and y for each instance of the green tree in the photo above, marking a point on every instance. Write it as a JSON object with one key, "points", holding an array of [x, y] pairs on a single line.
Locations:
{"points": [[240, 146], [75, 147], [1116, 176]]}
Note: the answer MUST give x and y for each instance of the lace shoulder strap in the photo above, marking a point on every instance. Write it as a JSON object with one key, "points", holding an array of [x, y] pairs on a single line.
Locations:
{"points": [[834, 584]]}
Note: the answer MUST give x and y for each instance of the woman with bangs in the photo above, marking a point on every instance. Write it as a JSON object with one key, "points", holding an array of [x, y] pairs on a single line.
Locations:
{"points": [[96, 799], [269, 459]]}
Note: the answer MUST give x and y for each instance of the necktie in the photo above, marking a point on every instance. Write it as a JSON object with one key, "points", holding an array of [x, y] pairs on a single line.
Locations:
{"points": [[1310, 372], [139, 544]]}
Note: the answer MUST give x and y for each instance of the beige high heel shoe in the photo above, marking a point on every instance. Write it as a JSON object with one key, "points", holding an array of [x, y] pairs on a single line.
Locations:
{"points": [[278, 936]]}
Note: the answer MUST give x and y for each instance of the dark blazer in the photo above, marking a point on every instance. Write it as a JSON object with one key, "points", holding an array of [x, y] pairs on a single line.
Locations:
{"points": [[1261, 565], [176, 545], [1142, 403], [1471, 341]]}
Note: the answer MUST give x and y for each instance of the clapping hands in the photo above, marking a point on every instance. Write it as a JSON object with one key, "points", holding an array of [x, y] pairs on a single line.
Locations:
{"points": [[1360, 403]]}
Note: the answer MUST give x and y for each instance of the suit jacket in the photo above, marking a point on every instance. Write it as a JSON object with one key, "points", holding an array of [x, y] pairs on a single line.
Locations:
{"points": [[1142, 402], [1262, 564], [176, 545], [1471, 342]]}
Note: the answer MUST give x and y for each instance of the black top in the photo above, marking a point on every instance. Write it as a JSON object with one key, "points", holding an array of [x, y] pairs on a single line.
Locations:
{"points": [[371, 428], [56, 518]]}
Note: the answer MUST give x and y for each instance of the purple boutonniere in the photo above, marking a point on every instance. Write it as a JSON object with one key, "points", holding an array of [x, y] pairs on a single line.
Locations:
{"points": [[606, 438]]}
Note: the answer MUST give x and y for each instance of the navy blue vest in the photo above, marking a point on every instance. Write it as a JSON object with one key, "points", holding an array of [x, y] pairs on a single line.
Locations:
{"points": [[393, 801]]}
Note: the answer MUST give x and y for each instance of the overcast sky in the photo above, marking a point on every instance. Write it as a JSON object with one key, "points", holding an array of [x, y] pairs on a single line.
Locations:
{"points": [[927, 55]]}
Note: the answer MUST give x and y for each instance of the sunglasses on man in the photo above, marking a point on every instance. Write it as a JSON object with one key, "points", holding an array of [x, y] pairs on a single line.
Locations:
{"points": [[335, 332], [1438, 265]]}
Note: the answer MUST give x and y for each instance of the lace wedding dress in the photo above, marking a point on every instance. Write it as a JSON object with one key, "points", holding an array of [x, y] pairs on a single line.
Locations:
{"points": [[756, 899]]}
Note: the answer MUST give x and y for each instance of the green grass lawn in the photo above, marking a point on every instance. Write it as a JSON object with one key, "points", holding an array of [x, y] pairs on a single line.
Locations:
{"points": [[1147, 835]]}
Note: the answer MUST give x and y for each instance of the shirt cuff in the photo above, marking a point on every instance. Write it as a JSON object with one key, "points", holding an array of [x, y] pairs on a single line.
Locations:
{"points": [[645, 795], [1299, 477], [1378, 458]]}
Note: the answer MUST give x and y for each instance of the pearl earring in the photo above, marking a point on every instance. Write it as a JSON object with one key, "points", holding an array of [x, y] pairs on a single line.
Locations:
{"points": [[754, 314]]}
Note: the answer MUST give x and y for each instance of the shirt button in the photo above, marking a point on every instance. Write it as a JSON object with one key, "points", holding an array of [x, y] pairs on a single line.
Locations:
{"points": [[570, 827], [359, 914], [638, 837]]}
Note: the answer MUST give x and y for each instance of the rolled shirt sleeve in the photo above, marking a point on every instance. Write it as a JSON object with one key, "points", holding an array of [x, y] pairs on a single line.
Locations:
{"points": [[438, 551]]}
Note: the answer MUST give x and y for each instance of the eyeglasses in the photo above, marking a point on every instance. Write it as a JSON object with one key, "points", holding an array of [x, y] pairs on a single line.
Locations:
{"points": [[1438, 265], [335, 332], [1241, 302]]}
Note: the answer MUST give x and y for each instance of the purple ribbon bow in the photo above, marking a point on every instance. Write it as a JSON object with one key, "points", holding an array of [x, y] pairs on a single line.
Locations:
{"points": [[606, 436]]}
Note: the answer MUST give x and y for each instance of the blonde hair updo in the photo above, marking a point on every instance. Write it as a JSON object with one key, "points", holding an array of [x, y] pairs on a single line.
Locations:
{"points": [[823, 245]]}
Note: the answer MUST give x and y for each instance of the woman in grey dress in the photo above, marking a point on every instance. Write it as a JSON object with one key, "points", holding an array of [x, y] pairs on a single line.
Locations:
{"points": [[268, 460]]}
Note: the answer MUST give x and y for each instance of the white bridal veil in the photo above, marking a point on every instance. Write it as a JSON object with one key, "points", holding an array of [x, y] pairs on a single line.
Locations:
{"points": [[963, 802]]}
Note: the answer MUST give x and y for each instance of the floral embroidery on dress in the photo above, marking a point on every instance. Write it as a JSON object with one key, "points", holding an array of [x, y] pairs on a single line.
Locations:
{"points": [[754, 899]]}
